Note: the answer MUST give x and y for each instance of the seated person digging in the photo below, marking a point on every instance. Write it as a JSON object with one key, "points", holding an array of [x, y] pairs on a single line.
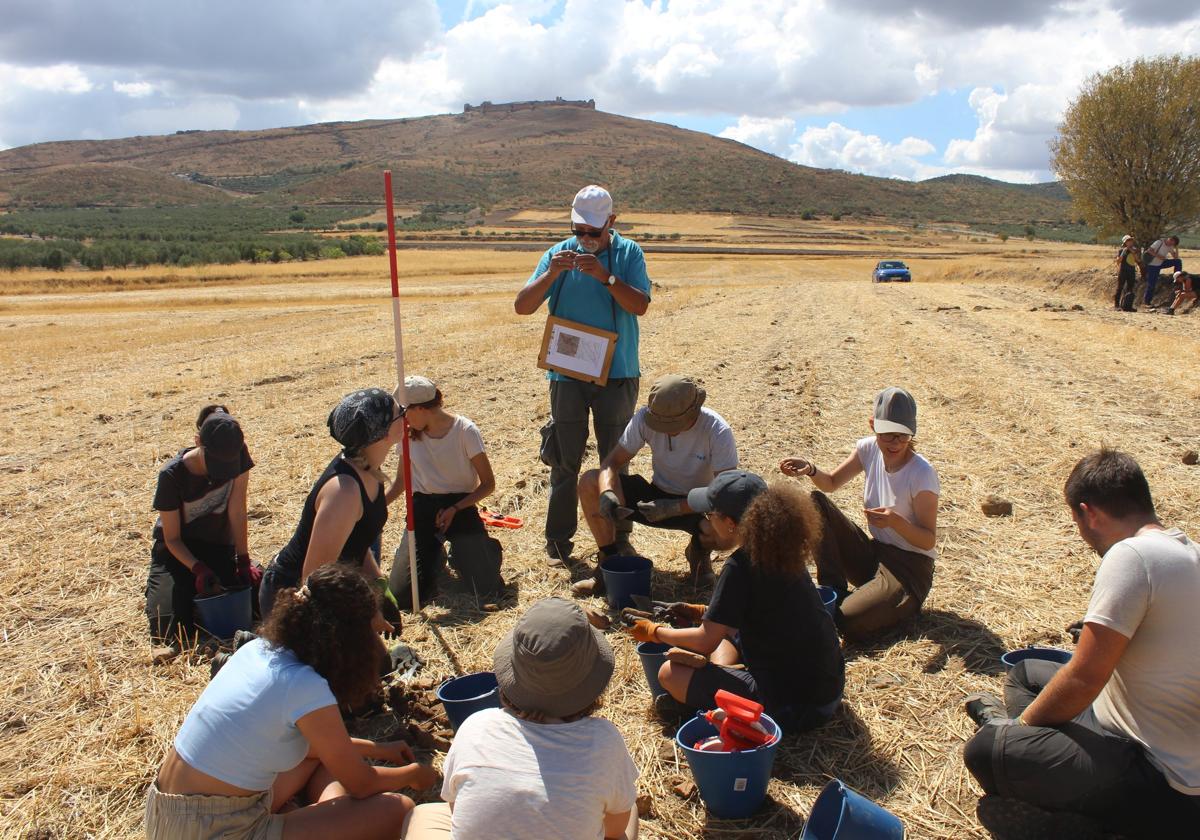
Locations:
{"points": [[1112, 733], [450, 475], [689, 445], [766, 635], [542, 767]]}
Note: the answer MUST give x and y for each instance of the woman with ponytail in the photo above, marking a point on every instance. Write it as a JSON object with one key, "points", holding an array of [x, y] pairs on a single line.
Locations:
{"points": [[346, 509], [267, 731]]}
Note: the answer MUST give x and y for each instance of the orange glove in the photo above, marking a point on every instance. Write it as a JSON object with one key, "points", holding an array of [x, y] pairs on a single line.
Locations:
{"points": [[685, 615], [644, 630]]}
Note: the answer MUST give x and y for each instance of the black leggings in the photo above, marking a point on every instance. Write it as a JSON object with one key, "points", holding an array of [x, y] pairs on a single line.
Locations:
{"points": [[171, 589]]}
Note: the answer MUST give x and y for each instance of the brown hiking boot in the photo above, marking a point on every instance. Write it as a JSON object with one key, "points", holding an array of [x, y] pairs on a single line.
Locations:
{"points": [[699, 561]]}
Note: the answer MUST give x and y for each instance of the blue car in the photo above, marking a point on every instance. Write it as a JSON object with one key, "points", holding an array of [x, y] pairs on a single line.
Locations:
{"points": [[891, 270]]}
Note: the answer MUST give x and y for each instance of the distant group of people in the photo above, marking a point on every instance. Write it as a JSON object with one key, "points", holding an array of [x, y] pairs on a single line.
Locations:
{"points": [[264, 753], [1161, 255]]}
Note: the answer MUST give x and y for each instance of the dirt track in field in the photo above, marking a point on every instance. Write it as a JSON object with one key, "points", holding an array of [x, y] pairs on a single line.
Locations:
{"points": [[100, 387]]}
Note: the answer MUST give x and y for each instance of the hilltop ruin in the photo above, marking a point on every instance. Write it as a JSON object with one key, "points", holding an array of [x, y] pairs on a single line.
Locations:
{"points": [[533, 104]]}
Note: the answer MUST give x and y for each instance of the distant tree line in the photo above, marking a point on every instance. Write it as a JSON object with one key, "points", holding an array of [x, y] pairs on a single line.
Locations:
{"points": [[100, 238]]}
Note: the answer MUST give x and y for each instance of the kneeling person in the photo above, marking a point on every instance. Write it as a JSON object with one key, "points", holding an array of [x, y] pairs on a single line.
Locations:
{"points": [[765, 612], [689, 445]]}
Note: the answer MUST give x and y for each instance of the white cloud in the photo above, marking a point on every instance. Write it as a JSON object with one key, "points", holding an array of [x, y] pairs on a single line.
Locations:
{"points": [[134, 90], [770, 135], [55, 78], [1014, 130], [837, 147]]}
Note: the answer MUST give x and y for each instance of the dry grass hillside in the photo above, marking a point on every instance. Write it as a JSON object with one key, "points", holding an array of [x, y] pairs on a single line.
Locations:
{"points": [[102, 384], [521, 159]]}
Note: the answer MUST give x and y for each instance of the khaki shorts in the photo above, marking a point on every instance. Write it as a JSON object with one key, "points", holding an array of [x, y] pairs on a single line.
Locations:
{"points": [[171, 816], [430, 821]]}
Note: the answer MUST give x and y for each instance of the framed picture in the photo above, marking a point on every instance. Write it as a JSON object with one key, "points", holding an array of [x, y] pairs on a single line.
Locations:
{"points": [[577, 350]]}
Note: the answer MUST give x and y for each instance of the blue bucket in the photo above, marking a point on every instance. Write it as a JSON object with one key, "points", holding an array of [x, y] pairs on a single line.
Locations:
{"points": [[653, 655], [466, 695], [828, 598], [1049, 654], [732, 784], [625, 577], [225, 614], [842, 813]]}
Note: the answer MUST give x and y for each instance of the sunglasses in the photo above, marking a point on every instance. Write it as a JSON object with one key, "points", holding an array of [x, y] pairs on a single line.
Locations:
{"points": [[588, 234]]}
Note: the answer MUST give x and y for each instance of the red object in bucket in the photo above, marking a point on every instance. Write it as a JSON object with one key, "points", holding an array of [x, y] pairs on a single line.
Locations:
{"points": [[499, 520], [736, 720]]}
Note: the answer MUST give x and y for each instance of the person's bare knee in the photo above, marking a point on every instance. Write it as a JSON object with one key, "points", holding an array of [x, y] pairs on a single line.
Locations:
{"points": [[675, 679], [589, 486], [726, 654]]}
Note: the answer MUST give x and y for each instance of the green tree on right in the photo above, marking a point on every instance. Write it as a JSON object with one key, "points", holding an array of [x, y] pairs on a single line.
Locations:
{"points": [[1128, 148]]}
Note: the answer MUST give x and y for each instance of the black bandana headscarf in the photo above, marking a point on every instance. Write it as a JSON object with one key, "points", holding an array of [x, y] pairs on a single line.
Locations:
{"points": [[361, 418]]}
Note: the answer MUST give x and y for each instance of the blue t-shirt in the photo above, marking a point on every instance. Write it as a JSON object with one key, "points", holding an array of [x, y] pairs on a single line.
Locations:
{"points": [[582, 298], [242, 729]]}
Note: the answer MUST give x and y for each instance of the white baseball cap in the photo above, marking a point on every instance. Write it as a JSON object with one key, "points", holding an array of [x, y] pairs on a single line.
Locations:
{"points": [[592, 206]]}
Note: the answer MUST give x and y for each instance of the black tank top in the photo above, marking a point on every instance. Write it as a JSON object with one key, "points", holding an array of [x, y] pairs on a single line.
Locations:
{"points": [[366, 530]]}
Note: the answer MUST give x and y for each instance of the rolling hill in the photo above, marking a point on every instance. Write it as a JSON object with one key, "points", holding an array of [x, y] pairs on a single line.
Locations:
{"points": [[529, 158]]}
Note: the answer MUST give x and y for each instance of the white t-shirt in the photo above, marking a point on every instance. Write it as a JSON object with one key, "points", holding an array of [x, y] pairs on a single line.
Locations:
{"points": [[1148, 590], [443, 465], [688, 460], [242, 729], [508, 778], [895, 490], [1159, 251]]}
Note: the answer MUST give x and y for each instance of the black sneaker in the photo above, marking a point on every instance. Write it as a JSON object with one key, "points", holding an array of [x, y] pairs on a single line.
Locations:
{"points": [[983, 708], [217, 663], [1013, 819], [241, 637], [668, 708]]}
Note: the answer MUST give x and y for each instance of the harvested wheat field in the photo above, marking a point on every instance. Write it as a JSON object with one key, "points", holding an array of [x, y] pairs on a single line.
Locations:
{"points": [[101, 385]]}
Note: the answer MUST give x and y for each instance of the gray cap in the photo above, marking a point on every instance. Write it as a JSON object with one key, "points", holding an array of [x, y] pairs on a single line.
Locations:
{"points": [[674, 404], [895, 411], [418, 389], [730, 493], [222, 440], [553, 661]]}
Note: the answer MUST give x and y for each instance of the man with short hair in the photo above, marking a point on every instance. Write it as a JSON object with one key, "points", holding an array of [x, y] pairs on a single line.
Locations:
{"points": [[1162, 253], [596, 278], [1114, 732], [689, 445]]}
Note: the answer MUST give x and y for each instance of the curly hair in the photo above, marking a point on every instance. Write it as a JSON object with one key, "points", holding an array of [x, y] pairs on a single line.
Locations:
{"points": [[436, 402], [327, 624], [781, 529]]}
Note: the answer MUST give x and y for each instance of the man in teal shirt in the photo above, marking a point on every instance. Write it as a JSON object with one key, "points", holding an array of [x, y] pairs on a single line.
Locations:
{"points": [[596, 277]]}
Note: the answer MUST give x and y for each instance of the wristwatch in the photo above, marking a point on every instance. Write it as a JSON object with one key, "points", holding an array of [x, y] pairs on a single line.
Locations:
{"points": [[612, 280]]}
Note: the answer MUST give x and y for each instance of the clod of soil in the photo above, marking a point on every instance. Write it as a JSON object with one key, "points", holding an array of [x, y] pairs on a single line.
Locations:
{"points": [[684, 788], [1191, 457], [996, 506], [645, 805], [598, 619]]}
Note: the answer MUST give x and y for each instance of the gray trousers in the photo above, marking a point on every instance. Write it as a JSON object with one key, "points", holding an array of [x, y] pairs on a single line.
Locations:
{"points": [[611, 408], [1076, 766]]}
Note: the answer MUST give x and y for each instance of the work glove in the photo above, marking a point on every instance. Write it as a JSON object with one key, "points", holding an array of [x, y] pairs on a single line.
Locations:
{"points": [[1075, 630], [611, 508], [206, 580], [680, 614], [387, 603], [660, 509], [247, 572], [644, 630]]}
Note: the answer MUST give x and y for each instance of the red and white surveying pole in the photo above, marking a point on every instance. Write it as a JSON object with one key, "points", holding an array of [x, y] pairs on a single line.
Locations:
{"points": [[401, 392]]}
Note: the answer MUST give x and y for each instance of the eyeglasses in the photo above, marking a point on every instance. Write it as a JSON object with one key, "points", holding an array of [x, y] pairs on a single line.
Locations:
{"points": [[893, 437], [587, 234]]}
